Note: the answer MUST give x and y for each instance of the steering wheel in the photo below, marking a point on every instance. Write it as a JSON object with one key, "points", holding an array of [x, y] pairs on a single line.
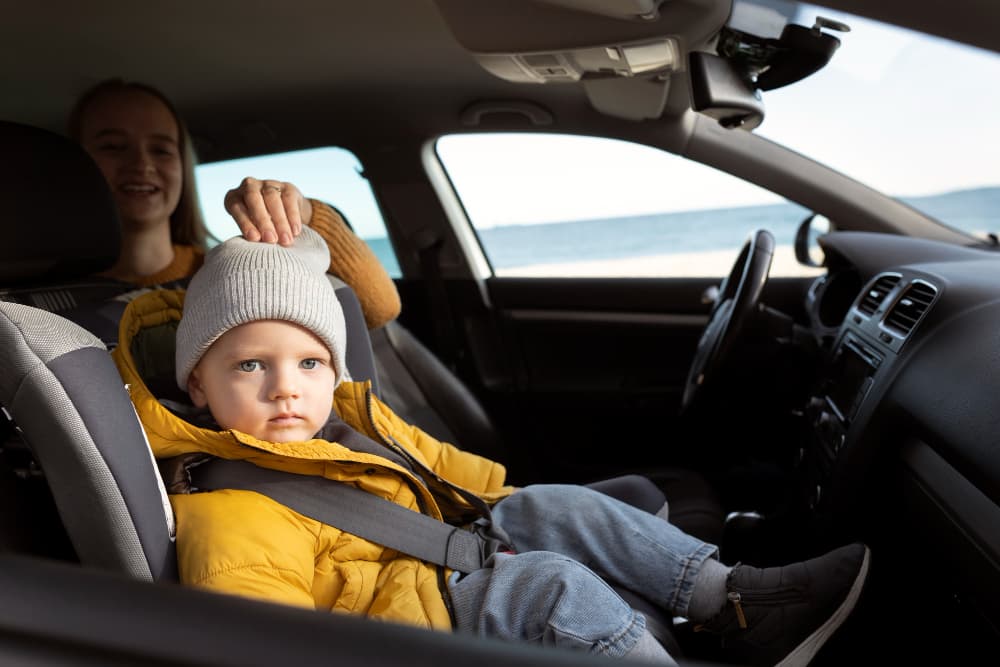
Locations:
{"points": [[739, 296]]}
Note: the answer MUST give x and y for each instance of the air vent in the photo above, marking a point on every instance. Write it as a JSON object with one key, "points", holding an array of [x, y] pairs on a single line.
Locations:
{"points": [[908, 309], [876, 294]]}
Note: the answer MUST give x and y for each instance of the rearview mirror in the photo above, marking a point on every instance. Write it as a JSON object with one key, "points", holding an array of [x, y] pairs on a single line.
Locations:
{"points": [[720, 91]]}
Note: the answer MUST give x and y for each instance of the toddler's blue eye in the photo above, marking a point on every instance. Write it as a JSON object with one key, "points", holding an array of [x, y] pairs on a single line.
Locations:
{"points": [[249, 365], [309, 364]]}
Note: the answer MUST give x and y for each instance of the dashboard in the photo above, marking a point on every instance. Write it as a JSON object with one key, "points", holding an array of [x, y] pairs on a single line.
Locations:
{"points": [[905, 420]]}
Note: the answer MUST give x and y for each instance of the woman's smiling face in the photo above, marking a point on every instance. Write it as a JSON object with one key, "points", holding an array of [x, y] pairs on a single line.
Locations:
{"points": [[134, 139]]}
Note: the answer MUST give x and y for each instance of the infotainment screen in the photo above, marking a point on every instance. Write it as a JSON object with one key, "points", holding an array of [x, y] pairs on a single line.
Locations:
{"points": [[852, 369]]}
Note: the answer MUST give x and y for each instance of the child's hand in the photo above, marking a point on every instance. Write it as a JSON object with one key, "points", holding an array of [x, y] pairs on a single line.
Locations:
{"points": [[268, 210]]}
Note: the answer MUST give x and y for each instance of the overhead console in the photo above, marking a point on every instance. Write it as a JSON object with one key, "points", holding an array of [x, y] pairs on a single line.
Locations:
{"points": [[623, 52], [573, 29]]}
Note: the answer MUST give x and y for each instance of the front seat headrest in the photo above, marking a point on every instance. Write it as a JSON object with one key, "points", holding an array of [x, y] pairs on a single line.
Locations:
{"points": [[59, 220]]}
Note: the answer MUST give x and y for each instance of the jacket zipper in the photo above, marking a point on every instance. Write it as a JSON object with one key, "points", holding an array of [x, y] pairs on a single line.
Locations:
{"points": [[421, 500], [392, 445]]}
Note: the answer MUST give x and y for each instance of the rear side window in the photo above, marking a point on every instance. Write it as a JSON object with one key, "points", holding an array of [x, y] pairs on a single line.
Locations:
{"points": [[566, 205], [332, 175]]}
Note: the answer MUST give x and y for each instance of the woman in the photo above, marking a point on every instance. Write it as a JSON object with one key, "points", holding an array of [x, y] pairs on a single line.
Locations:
{"points": [[142, 147]]}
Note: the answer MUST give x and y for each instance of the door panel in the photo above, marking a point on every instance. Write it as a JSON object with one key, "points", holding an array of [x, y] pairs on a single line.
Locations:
{"points": [[584, 376]]}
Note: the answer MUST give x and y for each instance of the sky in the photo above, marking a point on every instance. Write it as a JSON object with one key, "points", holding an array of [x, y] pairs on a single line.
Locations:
{"points": [[911, 114], [908, 114]]}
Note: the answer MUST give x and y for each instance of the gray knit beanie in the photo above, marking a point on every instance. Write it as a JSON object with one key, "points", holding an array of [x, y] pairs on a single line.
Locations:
{"points": [[243, 281]]}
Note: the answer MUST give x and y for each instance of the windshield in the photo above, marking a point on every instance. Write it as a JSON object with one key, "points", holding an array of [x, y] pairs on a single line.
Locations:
{"points": [[911, 115]]}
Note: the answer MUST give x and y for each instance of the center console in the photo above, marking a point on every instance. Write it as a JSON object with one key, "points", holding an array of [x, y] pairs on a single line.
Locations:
{"points": [[836, 405]]}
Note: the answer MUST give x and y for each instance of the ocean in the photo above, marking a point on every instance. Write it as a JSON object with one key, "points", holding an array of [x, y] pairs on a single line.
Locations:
{"points": [[508, 246]]}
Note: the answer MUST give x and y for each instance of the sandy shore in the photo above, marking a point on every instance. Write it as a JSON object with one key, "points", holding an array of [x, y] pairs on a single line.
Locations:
{"points": [[698, 264]]}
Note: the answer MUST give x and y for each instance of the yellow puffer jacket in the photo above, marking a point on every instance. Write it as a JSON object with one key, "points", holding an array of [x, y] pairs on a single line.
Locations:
{"points": [[245, 543]]}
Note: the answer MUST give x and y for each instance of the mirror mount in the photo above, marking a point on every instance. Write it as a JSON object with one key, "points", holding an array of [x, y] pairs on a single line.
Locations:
{"points": [[723, 92], [727, 86], [773, 63]]}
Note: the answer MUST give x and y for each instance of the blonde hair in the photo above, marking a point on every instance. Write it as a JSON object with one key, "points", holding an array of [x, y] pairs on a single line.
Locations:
{"points": [[187, 224]]}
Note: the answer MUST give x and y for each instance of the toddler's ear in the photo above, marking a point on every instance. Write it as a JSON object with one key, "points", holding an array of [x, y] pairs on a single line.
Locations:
{"points": [[196, 390]]}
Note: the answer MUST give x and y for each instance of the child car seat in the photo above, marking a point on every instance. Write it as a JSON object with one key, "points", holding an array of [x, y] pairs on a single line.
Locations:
{"points": [[61, 389]]}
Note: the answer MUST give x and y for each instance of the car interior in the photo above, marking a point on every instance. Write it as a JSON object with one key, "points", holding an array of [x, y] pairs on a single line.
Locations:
{"points": [[779, 416]]}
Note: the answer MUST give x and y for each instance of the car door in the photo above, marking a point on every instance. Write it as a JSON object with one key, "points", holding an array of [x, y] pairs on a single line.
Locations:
{"points": [[595, 304]]}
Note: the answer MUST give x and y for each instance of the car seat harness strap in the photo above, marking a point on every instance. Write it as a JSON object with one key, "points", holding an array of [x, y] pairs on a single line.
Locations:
{"points": [[338, 504]]}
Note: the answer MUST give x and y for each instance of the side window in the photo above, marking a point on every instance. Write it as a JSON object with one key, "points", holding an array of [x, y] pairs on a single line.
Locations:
{"points": [[562, 205], [332, 175]]}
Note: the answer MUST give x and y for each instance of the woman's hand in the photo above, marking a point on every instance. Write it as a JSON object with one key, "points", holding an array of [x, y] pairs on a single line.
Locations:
{"points": [[268, 210]]}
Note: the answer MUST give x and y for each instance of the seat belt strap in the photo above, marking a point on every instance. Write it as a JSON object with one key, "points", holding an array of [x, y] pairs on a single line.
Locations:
{"points": [[355, 511]]}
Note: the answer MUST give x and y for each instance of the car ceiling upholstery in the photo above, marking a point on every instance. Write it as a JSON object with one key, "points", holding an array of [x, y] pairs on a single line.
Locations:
{"points": [[256, 77]]}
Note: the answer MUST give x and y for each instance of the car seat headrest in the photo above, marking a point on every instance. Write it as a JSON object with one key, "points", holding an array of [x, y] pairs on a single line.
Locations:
{"points": [[59, 218]]}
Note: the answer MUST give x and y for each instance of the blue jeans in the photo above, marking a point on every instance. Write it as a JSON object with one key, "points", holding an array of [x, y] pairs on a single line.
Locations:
{"points": [[570, 541]]}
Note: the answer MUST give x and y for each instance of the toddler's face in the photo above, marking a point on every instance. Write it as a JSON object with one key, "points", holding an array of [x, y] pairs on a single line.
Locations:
{"points": [[271, 379]]}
